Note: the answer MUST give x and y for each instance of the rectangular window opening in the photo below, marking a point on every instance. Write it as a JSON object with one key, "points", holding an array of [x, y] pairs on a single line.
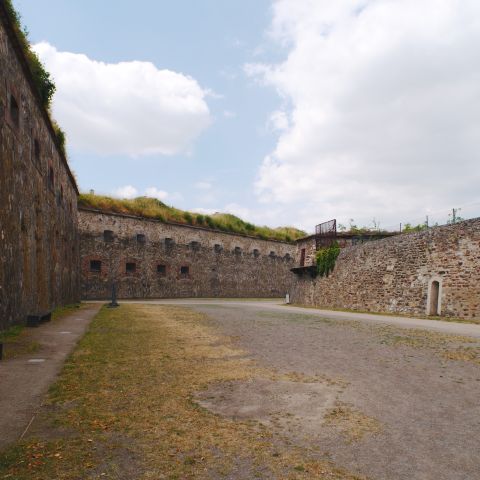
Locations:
{"points": [[302, 257], [141, 238], [130, 267], [184, 271], [51, 177], [14, 111], [162, 270], [36, 151], [95, 266], [108, 235]]}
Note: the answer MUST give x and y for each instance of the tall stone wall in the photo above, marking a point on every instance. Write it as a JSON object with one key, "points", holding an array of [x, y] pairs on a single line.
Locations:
{"points": [[38, 198], [151, 259], [401, 274]]}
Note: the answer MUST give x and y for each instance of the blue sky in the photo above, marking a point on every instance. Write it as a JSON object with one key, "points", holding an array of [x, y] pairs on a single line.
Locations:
{"points": [[284, 112], [209, 40]]}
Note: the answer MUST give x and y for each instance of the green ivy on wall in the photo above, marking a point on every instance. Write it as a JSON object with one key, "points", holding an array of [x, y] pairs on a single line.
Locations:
{"points": [[326, 258]]}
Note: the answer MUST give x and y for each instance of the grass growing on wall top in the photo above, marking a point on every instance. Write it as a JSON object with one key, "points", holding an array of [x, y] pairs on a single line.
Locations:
{"points": [[41, 77], [154, 208]]}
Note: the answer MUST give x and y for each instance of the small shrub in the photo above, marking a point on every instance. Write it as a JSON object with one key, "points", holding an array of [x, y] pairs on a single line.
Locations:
{"points": [[41, 77], [210, 222], [326, 258], [188, 217], [61, 137]]}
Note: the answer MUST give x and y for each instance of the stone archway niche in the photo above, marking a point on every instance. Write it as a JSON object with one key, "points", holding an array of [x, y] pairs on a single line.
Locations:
{"points": [[434, 304]]}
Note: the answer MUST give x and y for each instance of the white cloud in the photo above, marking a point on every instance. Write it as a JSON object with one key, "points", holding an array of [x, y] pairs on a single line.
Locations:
{"points": [[130, 108], [128, 191], [278, 120], [229, 114], [237, 210], [156, 193], [204, 211], [383, 119]]}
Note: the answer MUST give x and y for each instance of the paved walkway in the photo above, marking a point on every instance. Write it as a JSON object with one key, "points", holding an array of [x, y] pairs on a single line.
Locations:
{"points": [[455, 328], [25, 380]]}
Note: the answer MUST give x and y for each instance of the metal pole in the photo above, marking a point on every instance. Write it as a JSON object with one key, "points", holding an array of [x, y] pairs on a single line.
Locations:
{"points": [[114, 302]]}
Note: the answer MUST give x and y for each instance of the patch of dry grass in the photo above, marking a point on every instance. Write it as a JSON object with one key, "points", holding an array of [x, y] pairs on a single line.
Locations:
{"points": [[353, 424], [448, 346], [475, 321], [61, 312], [17, 340], [464, 354], [302, 378], [123, 408]]}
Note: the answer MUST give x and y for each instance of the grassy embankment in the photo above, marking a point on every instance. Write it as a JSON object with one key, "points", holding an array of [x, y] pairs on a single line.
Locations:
{"points": [[153, 208], [123, 408]]}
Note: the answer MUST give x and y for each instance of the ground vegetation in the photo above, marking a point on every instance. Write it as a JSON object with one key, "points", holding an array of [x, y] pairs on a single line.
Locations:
{"points": [[124, 407]]}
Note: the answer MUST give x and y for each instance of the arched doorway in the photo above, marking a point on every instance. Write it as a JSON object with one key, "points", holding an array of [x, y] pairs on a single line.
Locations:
{"points": [[434, 304]]}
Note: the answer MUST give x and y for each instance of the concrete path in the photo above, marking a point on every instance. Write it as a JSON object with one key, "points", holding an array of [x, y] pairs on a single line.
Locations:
{"points": [[454, 328], [25, 380]]}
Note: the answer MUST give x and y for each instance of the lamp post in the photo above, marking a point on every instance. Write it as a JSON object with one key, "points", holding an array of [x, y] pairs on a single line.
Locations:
{"points": [[114, 302]]}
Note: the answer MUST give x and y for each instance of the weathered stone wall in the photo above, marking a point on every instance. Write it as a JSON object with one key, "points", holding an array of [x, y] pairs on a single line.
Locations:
{"points": [[343, 239], [38, 198], [219, 264], [308, 246], [396, 274]]}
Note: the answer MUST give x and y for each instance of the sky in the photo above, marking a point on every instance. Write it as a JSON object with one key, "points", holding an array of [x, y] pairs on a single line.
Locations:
{"points": [[284, 112]]}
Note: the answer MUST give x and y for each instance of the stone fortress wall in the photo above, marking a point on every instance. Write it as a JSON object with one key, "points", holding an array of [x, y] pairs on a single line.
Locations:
{"points": [[436, 271], [152, 259], [38, 197], [432, 272]]}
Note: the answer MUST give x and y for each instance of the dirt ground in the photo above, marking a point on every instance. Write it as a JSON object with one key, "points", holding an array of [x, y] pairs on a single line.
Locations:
{"points": [[381, 401], [243, 390]]}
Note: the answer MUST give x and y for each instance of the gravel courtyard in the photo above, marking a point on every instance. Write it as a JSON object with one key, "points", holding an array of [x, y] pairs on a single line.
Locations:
{"points": [[237, 390], [382, 401]]}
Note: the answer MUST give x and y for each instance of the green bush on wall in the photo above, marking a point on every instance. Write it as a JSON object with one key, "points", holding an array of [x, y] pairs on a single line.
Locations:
{"points": [[41, 77], [326, 258]]}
